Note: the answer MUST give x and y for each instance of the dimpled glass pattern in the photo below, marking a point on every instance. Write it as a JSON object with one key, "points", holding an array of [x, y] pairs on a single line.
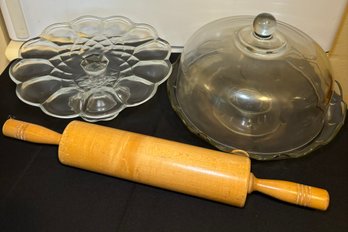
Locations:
{"points": [[91, 67]]}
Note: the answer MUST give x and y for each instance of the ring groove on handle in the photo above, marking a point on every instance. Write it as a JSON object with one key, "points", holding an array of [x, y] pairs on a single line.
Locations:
{"points": [[291, 192], [20, 131], [303, 195], [29, 132]]}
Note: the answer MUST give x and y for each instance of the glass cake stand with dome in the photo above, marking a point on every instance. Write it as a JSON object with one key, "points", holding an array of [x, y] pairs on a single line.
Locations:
{"points": [[258, 85]]}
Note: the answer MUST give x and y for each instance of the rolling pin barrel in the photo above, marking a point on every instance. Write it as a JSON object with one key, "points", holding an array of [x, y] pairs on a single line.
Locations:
{"points": [[158, 162], [175, 166]]}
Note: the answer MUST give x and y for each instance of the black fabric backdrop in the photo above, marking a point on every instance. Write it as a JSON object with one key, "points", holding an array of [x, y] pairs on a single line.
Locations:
{"points": [[37, 193]]}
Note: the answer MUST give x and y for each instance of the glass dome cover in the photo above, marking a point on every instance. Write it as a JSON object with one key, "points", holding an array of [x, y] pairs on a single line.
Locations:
{"points": [[258, 85]]}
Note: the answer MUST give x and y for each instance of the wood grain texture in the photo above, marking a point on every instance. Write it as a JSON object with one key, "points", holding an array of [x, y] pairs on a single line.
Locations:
{"points": [[175, 166], [339, 56]]}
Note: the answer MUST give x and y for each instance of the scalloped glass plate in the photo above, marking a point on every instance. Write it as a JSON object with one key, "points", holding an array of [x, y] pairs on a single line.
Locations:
{"points": [[91, 67]]}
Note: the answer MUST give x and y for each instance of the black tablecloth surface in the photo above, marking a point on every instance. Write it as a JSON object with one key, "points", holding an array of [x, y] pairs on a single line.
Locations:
{"points": [[37, 193]]}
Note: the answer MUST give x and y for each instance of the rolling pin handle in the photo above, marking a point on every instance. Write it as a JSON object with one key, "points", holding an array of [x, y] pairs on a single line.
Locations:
{"points": [[291, 192], [30, 132]]}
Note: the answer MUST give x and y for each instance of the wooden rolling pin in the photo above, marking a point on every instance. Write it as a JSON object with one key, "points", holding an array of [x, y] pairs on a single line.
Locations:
{"points": [[166, 164]]}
